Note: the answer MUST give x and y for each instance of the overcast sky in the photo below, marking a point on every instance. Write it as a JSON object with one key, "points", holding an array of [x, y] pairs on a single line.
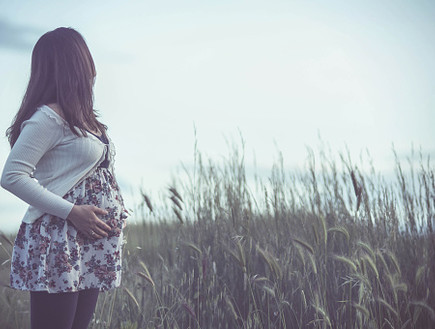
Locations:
{"points": [[360, 74]]}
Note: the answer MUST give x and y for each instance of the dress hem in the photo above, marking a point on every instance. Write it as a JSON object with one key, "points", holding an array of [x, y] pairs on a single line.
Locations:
{"points": [[60, 291]]}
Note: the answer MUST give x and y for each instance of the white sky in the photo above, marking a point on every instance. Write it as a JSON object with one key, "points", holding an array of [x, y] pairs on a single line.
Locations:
{"points": [[361, 74]]}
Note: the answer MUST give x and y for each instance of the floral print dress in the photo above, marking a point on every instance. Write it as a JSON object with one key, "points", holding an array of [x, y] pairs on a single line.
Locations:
{"points": [[51, 255]]}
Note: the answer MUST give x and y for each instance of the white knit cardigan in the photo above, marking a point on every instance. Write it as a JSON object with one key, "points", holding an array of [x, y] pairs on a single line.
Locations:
{"points": [[47, 160]]}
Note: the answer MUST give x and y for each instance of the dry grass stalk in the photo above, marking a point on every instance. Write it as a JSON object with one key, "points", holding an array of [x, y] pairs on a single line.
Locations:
{"points": [[367, 260], [367, 249], [419, 275], [147, 273], [346, 261], [389, 307], [357, 189], [147, 201], [193, 246], [394, 261], [146, 277], [271, 262], [176, 202], [175, 193], [231, 307], [189, 309], [362, 309], [129, 293], [305, 245], [340, 229], [178, 214], [426, 307]]}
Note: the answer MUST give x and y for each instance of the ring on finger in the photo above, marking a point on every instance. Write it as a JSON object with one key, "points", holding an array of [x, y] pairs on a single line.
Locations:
{"points": [[92, 234]]}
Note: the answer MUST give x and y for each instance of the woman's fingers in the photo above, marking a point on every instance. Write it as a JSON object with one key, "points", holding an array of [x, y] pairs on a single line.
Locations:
{"points": [[99, 211], [85, 219], [102, 225], [99, 232], [99, 222], [94, 235]]}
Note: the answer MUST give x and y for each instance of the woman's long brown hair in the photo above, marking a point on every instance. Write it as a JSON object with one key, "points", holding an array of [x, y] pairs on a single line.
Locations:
{"points": [[62, 72]]}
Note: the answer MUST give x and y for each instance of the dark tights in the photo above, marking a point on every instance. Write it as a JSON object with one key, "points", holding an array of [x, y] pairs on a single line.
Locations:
{"points": [[64, 310]]}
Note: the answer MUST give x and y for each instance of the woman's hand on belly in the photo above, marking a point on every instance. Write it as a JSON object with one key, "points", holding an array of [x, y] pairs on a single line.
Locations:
{"points": [[84, 218]]}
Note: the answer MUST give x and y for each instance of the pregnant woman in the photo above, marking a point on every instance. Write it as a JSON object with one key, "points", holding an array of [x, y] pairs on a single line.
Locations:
{"points": [[69, 244]]}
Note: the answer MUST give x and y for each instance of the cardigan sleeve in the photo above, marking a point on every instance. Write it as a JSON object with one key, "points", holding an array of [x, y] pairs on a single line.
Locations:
{"points": [[38, 135]]}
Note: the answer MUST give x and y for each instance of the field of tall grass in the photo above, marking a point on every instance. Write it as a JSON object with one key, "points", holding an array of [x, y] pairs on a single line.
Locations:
{"points": [[326, 246]]}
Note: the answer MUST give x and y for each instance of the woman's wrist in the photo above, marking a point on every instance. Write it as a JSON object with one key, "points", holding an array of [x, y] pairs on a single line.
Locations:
{"points": [[72, 213]]}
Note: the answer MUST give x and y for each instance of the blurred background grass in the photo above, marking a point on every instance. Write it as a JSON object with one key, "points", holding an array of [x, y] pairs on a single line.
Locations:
{"points": [[327, 246]]}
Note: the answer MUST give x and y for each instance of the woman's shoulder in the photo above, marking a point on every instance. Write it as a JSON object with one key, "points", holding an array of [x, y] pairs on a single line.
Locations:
{"points": [[46, 115], [45, 118], [52, 114]]}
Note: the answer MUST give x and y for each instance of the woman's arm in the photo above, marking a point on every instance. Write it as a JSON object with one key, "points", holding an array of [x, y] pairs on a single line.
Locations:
{"points": [[38, 135]]}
